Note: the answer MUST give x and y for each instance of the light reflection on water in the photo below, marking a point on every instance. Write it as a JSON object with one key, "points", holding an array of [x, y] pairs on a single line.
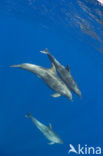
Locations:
{"points": [[84, 16]]}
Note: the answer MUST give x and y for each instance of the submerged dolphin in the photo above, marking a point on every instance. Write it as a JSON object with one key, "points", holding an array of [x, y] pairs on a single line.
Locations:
{"points": [[47, 131], [64, 74], [49, 76]]}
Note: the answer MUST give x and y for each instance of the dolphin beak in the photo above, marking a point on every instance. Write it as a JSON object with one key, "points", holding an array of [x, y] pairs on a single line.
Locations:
{"points": [[15, 66]]}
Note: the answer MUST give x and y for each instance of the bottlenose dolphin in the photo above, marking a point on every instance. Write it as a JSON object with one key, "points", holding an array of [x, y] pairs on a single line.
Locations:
{"points": [[49, 76], [64, 73], [47, 131]]}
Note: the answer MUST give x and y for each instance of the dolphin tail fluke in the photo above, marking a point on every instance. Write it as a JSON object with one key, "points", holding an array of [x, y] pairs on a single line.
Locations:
{"points": [[28, 115], [45, 51]]}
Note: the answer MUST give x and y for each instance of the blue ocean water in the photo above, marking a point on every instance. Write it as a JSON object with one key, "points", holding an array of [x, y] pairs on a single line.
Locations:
{"points": [[73, 32]]}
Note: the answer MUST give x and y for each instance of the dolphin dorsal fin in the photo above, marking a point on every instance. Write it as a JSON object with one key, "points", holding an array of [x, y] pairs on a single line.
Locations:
{"points": [[67, 67], [50, 126], [53, 68]]}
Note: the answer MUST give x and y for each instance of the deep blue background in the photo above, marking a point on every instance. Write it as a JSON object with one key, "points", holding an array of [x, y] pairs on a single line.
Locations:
{"points": [[23, 33]]}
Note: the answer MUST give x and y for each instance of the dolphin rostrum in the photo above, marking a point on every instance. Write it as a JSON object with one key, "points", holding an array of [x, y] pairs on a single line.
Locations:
{"points": [[64, 74], [47, 131], [49, 76]]}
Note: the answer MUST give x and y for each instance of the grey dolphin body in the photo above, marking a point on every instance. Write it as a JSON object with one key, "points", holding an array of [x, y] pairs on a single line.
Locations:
{"points": [[64, 73], [47, 131], [49, 76]]}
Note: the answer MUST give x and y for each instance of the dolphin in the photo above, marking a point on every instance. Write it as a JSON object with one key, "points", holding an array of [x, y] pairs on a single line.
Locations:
{"points": [[47, 131], [49, 76], [64, 73]]}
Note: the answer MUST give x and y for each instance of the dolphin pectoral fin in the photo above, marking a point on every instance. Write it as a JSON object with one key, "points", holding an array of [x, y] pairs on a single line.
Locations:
{"points": [[55, 95], [67, 67], [50, 126], [51, 143]]}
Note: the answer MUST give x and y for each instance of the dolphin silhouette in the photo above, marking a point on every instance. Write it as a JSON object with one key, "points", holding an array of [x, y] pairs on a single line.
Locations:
{"points": [[47, 131], [49, 76], [64, 73]]}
